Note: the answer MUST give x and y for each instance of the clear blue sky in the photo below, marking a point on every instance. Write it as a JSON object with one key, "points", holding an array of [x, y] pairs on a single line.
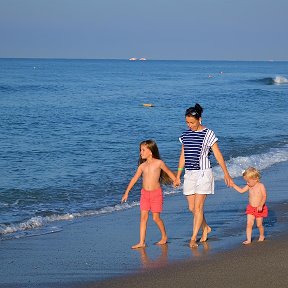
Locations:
{"points": [[154, 29]]}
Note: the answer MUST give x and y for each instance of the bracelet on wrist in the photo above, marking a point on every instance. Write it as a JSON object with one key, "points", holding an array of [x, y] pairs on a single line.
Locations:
{"points": [[180, 169]]}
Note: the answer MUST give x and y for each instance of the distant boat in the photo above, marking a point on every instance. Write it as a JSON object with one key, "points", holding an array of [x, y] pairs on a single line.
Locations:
{"points": [[148, 105], [135, 59]]}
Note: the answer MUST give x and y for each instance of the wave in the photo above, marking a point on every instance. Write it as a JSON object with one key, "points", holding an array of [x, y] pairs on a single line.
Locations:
{"points": [[39, 221], [277, 80], [259, 161], [24, 88], [235, 167], [280, 80]]}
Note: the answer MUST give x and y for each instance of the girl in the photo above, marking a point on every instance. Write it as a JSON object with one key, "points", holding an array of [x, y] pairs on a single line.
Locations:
{"points": [[151, 167], [197, 144], [257, 198]]}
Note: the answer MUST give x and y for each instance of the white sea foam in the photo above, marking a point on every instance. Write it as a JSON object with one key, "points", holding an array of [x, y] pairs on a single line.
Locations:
{"points": [[280, 80], [259, 161], [38, 222]]}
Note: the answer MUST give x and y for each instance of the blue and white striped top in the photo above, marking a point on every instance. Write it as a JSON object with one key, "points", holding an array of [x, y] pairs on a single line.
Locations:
{"points": [[197, 148]]}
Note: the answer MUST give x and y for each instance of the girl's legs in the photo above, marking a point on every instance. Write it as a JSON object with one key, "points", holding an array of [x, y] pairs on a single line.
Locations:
{"points": [[143, 226], [196, 206], [249, 227], [259, 222], [160, 224]]}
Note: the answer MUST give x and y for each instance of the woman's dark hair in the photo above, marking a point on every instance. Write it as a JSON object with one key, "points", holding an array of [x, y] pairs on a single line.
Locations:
{"points": [[195, 111]]}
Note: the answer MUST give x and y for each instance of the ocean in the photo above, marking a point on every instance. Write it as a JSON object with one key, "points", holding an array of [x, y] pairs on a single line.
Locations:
{"points": [[70, 131]]}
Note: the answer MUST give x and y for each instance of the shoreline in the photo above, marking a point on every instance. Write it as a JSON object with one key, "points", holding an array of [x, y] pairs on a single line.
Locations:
{"points": [[95, 251]]}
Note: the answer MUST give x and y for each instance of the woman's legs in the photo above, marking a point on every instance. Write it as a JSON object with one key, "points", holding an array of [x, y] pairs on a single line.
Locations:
{"points": [[196, 206], [206, 230]]}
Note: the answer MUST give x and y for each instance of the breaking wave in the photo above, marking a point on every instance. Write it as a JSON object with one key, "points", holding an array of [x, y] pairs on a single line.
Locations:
{"points": [[277, 80]]}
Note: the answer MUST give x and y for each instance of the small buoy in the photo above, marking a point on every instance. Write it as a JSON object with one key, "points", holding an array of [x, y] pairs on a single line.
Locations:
{"points": [[148, 105]]}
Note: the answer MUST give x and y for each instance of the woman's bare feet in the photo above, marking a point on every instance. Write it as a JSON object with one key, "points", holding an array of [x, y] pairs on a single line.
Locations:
{"points": [[138, 246], [246, 242], [162, 241], [205, 233], [261, 239], [193, 244]]}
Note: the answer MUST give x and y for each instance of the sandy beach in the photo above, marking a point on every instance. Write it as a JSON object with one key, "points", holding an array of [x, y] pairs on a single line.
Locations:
{"points": [[257, 265], [95, 251]]}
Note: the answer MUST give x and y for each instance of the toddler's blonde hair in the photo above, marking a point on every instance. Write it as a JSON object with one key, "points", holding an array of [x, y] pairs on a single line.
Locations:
{"points": [[252, 173]]}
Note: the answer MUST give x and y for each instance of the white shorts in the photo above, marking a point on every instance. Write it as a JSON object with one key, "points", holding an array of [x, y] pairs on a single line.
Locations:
{"points": [[198, 182]]}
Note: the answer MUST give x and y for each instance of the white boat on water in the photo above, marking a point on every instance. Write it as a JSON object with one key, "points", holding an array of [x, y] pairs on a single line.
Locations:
{"points": [[135, 59]]}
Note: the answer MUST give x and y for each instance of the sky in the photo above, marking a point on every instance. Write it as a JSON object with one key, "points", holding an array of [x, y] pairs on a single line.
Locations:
{"points": [[153, 29]]}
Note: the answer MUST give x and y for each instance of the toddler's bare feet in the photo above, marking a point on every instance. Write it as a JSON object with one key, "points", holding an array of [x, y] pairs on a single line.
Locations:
{"points": [[205, 233], [138, 246], [246, 242], [162, 241], [193, 244], [261, 238]]}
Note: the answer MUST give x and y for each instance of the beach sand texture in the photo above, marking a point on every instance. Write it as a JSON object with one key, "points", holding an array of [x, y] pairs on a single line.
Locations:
{"points": [[259, 265], [95, 251]]}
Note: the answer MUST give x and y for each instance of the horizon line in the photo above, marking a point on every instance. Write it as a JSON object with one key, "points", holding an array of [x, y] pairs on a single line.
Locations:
{"points": [[138, 60]]}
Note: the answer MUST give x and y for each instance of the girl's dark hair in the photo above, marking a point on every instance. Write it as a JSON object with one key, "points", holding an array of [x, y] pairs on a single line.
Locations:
{"points": [[152, 146], [195, 111]]}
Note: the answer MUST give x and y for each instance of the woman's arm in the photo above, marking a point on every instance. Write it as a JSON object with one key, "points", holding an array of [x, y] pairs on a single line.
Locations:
{"points": [[219, 157]]}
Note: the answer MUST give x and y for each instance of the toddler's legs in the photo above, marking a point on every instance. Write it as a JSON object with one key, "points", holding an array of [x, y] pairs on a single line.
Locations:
{"points": [[160, 224], [143, 226], [249, 227], [259, 222]]}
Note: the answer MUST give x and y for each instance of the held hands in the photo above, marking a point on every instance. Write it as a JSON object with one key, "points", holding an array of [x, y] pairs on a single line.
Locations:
{"points": [[228, 180], [176, 182]]}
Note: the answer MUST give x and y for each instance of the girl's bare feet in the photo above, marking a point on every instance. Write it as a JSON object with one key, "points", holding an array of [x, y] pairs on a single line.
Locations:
{"points": [[246, 242], [261, 238], [205, 233], [138, 246]]}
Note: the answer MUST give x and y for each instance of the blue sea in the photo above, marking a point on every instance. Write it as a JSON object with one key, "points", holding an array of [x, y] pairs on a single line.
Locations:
{"points": [[70, 130]]}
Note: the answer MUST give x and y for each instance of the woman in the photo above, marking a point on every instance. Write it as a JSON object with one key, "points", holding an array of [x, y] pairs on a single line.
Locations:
{"points": [[197, 143]]}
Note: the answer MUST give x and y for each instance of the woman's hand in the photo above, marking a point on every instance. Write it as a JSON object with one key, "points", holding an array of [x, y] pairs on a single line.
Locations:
{"points": [[228, 180], [177, 182]]}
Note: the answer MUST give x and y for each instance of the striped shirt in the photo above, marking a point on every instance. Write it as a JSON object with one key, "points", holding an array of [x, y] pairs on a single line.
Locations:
{"points": [[197, 148]]}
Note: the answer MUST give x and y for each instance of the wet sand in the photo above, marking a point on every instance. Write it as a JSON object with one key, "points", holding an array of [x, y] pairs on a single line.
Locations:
{"points": [[262, 264]]}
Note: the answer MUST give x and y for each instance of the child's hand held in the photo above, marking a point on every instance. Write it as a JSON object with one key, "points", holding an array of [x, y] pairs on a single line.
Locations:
{"points": [[176, 182]]}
